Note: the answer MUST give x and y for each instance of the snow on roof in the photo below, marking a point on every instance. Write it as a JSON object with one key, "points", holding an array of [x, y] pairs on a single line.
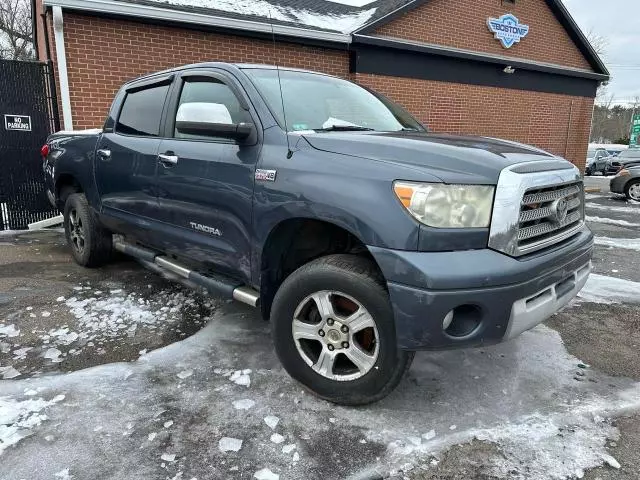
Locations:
{"points": [[344, 16]]}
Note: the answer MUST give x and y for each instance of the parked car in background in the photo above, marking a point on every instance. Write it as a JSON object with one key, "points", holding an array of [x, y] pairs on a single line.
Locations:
{"points": [[627, 181], [628, 157], [597, 161], [614, 149]]}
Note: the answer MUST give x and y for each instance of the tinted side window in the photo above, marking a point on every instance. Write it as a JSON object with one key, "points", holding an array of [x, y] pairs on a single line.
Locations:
{"points": [[142, 111], [210, 90]]}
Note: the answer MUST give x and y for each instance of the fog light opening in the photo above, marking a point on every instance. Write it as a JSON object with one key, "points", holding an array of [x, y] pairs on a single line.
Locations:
{"points": [[462, 321]]}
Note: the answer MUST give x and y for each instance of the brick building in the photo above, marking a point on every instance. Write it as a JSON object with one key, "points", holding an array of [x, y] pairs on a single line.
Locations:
{"points": [[515, 69]]}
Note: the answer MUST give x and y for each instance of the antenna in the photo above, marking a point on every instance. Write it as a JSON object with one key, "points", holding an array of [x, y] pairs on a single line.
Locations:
{"points": [[284, 112]]}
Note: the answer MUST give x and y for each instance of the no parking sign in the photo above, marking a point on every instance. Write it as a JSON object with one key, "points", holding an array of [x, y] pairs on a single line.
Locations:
{"points": [[20, 123]]}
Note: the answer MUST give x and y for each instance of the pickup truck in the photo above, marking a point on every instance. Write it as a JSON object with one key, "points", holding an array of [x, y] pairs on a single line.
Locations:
{"points": [[361, 236]]}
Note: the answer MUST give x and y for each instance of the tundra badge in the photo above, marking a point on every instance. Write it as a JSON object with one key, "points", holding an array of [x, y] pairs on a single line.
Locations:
{"points": [[206, 229]]}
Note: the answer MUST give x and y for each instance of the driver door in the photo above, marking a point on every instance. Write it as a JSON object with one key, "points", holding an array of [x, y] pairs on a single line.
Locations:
{"points": [[205, 183]]}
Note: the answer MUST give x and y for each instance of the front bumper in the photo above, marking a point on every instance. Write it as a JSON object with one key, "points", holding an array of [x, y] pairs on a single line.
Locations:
{"points": [[503, 295], [617, 184]]}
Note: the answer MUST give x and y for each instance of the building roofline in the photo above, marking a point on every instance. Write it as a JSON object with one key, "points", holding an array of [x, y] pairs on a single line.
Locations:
{"points": [[557, 8], [476, 56], [114, 7]]}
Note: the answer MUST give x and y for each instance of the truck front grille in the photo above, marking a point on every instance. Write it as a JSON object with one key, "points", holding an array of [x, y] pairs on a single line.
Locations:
{"points": [[549, 214]]}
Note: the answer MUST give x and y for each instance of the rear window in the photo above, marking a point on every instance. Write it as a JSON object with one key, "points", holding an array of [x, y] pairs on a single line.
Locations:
{"points": [[142, 111]]}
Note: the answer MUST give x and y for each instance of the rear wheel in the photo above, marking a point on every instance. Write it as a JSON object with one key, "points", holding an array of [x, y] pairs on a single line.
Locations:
{"points": [[334, 332], [632, 190], [90, 243]]}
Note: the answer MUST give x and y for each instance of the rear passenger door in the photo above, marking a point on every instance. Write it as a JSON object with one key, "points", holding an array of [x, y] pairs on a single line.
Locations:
{"points": [[205, 194], [127, 155]]}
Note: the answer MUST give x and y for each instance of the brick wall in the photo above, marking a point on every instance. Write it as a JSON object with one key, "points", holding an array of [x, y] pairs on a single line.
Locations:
{"points": [[559, 124], [103, 53], [463, 24]]}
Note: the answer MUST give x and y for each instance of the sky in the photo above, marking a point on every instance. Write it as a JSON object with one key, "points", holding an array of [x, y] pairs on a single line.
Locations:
{"points": [[618, 23]]}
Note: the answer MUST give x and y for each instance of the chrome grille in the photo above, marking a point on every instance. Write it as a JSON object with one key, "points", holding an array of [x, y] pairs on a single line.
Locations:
{"points": [[542, 220]]}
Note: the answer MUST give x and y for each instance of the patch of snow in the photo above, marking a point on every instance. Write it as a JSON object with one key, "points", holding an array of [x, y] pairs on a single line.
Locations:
{"points": [[609, 460], [18, 418], [287, 449], [625, 243], [63, 474], [277, 438], [168, 457], [345, 23], [53, 354], [184, 374], [60, 299], [228, 444], [631, 208], [296, 457], [453, 427], [271, 421], [607, 290], [239, 377], [151, 437], [244, 404], [9, 331], [21, 353], [168, 423], [611, 221], [429, 435], [9, 372], [45, 314], [266, 474], [353, 3]]}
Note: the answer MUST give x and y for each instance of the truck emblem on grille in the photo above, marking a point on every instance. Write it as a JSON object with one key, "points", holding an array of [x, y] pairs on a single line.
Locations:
{"points": [[559, 210], [206, 229]]}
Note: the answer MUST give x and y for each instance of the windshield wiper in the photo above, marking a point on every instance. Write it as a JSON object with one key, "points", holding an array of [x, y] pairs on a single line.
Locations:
{"points": [[344, 128]]}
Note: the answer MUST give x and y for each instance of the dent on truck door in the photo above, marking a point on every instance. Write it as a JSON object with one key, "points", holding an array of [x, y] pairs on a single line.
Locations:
{"points": [[205, 184], [126, 159]]}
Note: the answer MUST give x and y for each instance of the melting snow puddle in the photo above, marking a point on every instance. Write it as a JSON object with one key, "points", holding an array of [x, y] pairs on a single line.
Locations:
{"points": [[607, 290], [626, 243], [611, 221]]}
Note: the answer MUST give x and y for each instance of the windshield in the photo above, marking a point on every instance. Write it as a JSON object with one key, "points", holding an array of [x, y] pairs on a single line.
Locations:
{"points": [[319, 102], [591, 153], [631, 153]]}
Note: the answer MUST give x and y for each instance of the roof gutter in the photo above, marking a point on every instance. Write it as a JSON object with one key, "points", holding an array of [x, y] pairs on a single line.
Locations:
{"points": [[114, 7]]}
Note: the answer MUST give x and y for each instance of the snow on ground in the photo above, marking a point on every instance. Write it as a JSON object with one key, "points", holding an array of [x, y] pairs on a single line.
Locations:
{"points": [[630, 208], [626, 243], [345, 23], [521, 395], [19, 418], [612, 221], [607, 290]]}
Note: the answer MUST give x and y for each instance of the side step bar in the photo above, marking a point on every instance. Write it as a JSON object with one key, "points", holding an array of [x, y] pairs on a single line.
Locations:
{"points": [[221, 286]]}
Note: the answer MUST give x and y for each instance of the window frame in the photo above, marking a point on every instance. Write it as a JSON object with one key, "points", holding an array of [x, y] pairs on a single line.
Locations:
{"points": [[146, 84], [205, 75]]}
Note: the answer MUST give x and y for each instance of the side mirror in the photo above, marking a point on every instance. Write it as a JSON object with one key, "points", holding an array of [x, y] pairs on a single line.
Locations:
{"points": [[210, 119]]}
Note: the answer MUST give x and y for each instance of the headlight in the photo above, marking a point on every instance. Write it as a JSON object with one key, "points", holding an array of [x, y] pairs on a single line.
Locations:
{"points": [[447, 206], [623, 173]]}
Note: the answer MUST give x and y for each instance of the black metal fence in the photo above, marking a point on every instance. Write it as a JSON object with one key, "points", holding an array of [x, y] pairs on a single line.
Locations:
{"points": [[28, 114]]}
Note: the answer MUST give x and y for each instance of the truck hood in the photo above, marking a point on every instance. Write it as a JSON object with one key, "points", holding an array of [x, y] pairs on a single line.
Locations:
{"points": [[453, 159]]}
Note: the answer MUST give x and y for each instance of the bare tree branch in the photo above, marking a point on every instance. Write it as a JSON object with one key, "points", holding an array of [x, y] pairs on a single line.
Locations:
{"points": [[16, 35]]}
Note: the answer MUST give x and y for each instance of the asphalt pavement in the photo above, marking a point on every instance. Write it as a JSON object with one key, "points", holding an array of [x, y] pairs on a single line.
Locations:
{"points": [[119, 373]]}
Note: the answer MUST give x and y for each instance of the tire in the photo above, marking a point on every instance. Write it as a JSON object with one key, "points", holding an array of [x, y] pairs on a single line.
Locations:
{"points": [[632, 190], [587, 172], [351, 284], [90, 243]]}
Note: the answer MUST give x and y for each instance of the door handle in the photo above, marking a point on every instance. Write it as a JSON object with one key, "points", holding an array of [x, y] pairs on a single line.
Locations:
{"points": [[167, 159], [104, 154]]}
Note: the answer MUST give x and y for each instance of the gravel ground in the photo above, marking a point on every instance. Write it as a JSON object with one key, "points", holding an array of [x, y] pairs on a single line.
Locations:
{"points": [[156, 380]]}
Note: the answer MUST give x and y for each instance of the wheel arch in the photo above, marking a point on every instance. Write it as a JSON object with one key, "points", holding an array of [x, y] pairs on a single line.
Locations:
{"points": [[296, 241]]}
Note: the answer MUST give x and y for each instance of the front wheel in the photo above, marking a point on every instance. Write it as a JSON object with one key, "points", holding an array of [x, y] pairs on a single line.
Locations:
{"points": [[334, 332], [632, 190]]}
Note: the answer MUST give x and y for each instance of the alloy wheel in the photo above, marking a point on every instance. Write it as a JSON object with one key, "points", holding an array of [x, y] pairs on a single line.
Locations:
{"points": [[76, 231], [335, 335]]}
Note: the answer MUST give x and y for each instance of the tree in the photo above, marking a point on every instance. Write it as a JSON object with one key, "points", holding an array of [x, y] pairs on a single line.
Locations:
{"points": [[16, 32]]}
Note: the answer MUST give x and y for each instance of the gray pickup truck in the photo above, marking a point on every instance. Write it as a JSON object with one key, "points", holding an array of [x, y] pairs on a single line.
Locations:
{"points": [[361, 236]]}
